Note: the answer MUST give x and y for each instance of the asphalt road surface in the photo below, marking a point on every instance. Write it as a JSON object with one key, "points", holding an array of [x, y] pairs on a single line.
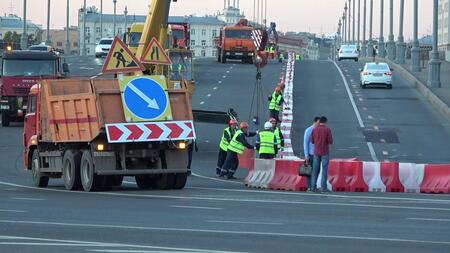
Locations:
{"points": [[213, 215]]}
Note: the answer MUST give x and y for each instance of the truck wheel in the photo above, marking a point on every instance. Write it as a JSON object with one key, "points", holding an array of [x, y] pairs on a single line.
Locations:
{"points": [[38, 179], [89, 180], [71, 170], [219, 59], [180, 181], [144, 181], [164, 182], [223, 58], [5, 120]]}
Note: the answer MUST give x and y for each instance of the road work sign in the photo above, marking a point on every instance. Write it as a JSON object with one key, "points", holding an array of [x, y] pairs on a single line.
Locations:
{"points": [[155, 54], [120, 59], [145, 98]]}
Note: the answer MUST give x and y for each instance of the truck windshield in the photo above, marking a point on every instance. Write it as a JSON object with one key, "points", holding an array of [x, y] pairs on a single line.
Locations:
{"points": [[22, 67], [238, 34], [135, 37], [181, 66]]}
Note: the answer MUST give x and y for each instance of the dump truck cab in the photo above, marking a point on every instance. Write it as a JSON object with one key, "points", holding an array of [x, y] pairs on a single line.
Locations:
{"points": [[235, 42]]}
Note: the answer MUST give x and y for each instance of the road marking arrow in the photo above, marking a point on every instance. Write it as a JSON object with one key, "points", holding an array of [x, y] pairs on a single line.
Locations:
{"points": [[151, 102]]}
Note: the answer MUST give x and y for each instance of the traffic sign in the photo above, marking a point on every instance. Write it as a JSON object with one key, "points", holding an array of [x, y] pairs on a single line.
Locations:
{"points": [[120, 59], [155, 54], [145, 98]]}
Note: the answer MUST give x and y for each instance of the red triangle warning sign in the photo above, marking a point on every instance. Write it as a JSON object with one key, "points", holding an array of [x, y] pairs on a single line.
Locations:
{"points": [[155, 54], [120, 59]]}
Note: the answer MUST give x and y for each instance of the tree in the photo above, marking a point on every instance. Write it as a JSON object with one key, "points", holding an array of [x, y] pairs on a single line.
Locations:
{"points": [[11, 37]]}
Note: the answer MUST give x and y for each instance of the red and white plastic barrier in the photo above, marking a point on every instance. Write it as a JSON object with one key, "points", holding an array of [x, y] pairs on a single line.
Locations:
{"points": [[262, 174], [287, 116], [436, 179], [286, 176]]}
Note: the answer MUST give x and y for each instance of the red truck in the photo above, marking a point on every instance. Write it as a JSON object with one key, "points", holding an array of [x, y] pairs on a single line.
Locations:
{"points": [[21, 70], [235, 42]]}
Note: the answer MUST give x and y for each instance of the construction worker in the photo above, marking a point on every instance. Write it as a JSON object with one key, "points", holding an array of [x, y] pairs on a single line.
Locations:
{"points": [[297, 57], [280, 57], [276, 100], [228, 133], [266, 142], [277, 132], [237, 146]]}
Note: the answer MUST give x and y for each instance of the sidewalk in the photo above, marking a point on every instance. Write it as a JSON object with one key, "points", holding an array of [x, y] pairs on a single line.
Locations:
{"points": [[438, 97]]}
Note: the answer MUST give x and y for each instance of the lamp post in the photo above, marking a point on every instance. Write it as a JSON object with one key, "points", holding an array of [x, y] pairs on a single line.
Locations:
{"points": [[363, 47], [434, 70], [359, 24], [114, 18], [349, 20], [48, 42], [125, 12], [67, 48], [415, 51], [24, 37], [84, 27], [401, 45], [370, 44], [353, 22], [381, 48], [344, 24], [101, 19], [390, 43], [339, 34]]}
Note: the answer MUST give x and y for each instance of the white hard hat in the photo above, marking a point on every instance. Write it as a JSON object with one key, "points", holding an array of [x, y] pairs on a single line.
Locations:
{"points": [[267, 125]]}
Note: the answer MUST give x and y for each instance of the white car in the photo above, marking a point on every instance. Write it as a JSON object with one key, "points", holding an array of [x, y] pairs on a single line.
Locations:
{"points": [[376, 73], [350, 52], [103, 46]]}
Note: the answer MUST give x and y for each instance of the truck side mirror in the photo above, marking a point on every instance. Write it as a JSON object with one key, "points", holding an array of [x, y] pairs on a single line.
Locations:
{"points": [[65, 68]]}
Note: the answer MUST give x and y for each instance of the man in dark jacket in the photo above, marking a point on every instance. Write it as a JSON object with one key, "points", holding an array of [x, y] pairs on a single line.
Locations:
{"points": [[228, 133]]}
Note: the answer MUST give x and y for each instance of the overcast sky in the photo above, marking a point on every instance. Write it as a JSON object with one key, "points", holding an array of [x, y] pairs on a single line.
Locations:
{"points": [[317, 16]]}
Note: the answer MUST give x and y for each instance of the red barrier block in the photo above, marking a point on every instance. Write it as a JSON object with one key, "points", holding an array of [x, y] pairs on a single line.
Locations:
{"points": [[347, 175], [391, 177], [436, 179], [247, 160], [286, 176]]}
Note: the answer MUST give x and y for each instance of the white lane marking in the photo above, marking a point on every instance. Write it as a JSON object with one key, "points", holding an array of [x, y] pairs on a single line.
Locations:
{"points": [[244, 222], [355, 108], [429, 219], [224, 76], [376, 128], [209, 95], [228, 71], [197, 207], [202, 102], [211, 231], [385, 152], [31, 199], [12, 211], [369, 117], [220, 81], [215, 88], [219, 199], [48, 244], [103, 244]]}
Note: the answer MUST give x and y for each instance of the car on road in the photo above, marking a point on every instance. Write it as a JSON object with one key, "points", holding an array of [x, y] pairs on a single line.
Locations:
{"points": [[376, 73], [103, 46], [41, 47], [348, 52]]}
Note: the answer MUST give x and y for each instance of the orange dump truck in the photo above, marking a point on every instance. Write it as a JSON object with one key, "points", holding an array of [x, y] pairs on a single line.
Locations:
{"points": [[235, 42], [92, 133]]}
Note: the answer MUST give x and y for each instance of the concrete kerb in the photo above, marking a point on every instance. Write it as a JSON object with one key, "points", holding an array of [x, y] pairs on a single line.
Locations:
{"points": [[434, 100]]}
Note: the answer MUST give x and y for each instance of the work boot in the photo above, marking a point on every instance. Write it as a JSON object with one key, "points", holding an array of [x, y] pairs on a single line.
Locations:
{"points": [[231, 177], [218, 171]]}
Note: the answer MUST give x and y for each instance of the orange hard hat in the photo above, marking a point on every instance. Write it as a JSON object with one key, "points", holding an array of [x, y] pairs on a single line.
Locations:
{"points": [[233, 122], [243, 125], [278, 88], [272, 120], [281, 85]]}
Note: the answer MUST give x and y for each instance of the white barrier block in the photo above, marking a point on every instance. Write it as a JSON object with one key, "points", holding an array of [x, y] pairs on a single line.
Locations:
{"points": [[263, 173], [319, 180], [372, 176], [411, 176]]}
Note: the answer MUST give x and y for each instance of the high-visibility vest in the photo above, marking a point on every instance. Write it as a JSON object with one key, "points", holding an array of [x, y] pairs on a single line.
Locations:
{"points": [[275, 102], [277, 133], [235, 145], [224, 142], [281, 56], [267, 142], [297, 57]]}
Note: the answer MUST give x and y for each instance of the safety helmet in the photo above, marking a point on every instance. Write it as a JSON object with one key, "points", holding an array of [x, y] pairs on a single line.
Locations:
{"points": [[273, 120], [243, 125], [267, 125], [281, 85], [278, 88], [233, 122]]}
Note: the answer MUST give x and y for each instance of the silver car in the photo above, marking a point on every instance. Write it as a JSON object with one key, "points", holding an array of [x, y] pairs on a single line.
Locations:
{"points": [[376, 73]]}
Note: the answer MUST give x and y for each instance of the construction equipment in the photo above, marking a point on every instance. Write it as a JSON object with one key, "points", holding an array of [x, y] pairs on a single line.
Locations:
{"points": [[235, 42]]}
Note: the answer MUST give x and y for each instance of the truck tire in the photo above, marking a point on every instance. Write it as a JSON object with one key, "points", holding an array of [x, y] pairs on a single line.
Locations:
{"points": [[223, 57], [144, 181], [89, 180], [164, 182], [38, 179], [219, 59], [71, 170], [5, 120], [180, 181]]}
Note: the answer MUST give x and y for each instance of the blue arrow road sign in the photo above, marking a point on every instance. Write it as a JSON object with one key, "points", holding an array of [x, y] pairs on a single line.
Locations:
{"points": [[145, 98]]}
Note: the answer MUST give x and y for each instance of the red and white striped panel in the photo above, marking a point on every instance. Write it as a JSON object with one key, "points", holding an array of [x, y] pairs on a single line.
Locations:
{"points": [[150, 131], [287, 115]]}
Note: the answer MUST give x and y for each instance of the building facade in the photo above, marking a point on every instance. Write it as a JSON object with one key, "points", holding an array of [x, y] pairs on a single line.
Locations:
{"points": [[13, 23], [231, 13], [444, 28], [203, 30], [58, 39]]}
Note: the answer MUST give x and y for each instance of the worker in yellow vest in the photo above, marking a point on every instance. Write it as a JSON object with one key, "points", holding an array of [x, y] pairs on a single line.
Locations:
{"points": [[228, 133], [236, 147], [277, 132], [297, 57], [266, 142], [276, 101]]}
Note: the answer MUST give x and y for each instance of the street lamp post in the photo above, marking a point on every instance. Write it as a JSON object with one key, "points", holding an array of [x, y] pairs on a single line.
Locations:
{"points": [[434, 70], [401, 45], [339, 34], [344, 27], [353, 22], [67, 48], [415, 51], [381, 48], [114, 18], [101, 18], [390, 43], [370, 44], [349, 20], [84, 27], [363, 47], [346, 21], [359, 23], [48, 42], [126, 20], [24, 37]]}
